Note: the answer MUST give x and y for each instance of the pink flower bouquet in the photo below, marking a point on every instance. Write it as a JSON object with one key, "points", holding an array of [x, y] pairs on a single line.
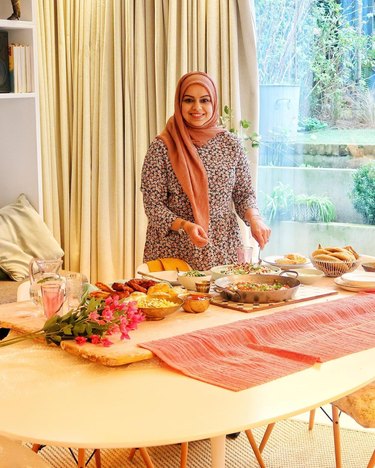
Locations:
{"points": [[93, 321]]}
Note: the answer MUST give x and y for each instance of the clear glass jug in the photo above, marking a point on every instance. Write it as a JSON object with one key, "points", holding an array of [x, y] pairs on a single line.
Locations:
{"points": [[42, 270]]}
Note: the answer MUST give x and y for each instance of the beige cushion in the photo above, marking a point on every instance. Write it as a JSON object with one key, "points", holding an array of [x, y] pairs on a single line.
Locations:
{"points": [[360, 405], [23, 235]]}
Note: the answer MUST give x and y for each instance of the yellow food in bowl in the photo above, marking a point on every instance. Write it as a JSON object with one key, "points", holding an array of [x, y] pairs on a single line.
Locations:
{"points": [[155, 302], [162, 291], [156, 308], [291, 259]]}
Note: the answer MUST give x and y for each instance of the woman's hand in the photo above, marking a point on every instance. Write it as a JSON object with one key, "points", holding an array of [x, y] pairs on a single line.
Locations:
{"points": [[196, 233], [259, 230]]}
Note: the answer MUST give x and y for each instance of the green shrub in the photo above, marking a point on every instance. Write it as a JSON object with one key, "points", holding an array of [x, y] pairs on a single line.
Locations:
{"points": [[283, 204], [363, 193], [312, 124], [279, 203], [310, 208]]}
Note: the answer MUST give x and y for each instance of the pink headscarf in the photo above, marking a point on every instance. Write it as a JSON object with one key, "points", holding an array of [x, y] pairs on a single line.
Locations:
{"points": [[181, 140]]}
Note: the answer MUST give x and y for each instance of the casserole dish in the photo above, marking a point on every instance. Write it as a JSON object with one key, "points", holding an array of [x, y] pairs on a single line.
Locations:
{"points": [[285, 288]]}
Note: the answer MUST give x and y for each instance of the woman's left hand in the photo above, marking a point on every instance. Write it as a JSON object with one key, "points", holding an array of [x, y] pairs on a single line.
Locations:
{"points": [[197, 234], [260, 231]]}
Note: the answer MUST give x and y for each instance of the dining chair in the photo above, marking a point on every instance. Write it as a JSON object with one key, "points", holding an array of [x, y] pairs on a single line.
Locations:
{"points": [[360, 406], [81, 460], [184, 453]]}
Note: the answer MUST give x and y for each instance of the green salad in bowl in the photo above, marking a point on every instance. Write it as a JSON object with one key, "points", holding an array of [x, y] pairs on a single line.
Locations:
{"points": [[188, 278], [243, 269]]}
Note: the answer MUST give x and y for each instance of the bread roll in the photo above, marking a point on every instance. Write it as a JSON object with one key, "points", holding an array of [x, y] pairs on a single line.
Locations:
{"points": [[327, 258], [334, 249], [351, 250], [344, 256], [320, 251]]}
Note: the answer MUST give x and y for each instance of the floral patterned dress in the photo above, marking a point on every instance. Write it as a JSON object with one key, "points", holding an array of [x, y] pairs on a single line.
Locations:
{"points": [[230, 190]]}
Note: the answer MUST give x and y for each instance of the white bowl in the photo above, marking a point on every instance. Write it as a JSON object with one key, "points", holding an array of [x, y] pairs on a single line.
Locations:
{"points": [[308, 275], [188, 282]]}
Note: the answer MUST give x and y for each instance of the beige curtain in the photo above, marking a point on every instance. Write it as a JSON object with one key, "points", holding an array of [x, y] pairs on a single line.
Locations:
{"points": [[108, 71]]}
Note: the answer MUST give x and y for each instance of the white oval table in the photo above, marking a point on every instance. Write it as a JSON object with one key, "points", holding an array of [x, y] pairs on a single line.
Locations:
{"points": [[51, 397]]}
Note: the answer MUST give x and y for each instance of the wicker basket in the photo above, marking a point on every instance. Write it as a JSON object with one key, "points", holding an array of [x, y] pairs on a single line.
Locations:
{"points": [[334, 269]]}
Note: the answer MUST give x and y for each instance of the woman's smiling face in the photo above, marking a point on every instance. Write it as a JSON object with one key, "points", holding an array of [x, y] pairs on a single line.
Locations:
{"points": [[196, 107]]}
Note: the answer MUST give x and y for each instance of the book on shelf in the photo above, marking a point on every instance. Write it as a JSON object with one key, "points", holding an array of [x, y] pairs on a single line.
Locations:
{"points": [[11, 66], [4, 63], [20, 66]]}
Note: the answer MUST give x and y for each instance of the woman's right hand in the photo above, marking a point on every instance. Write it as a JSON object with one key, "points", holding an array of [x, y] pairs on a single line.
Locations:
{"points": [[196, 234]]}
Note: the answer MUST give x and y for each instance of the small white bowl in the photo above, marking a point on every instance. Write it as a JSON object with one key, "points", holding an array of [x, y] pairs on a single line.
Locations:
{"points": [[308, 275], [188, 282]]}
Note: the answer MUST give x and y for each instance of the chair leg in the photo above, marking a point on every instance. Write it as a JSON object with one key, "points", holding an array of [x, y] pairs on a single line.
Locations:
{"points": [[255, 448], [336, 435], [266, 436], [146, 457], [311, 419], [371, 463], [144, 454], [184, 454], [98, 460], [131, 454], [81, 458]]}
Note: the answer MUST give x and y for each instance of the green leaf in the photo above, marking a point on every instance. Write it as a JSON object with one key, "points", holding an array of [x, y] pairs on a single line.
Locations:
{"points": [[50, 322], [56, 339], [79, 328]]}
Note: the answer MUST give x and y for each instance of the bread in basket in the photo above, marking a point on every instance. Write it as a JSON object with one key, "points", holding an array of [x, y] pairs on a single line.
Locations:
{"points": [[335, 261]]}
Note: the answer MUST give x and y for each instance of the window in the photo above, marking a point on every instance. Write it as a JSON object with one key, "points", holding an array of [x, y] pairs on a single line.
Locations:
{"points": [[316, 180]]}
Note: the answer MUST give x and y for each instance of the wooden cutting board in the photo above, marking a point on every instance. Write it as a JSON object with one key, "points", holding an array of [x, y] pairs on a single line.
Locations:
{"points": [[303, 294], [24, 317]]}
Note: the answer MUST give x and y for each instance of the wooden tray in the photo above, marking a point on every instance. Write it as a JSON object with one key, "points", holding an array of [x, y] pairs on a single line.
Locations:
{"points": [[303, 294]]}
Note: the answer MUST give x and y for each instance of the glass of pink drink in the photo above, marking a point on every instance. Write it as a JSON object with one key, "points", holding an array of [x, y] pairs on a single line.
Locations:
{"points": [[53, 296]]}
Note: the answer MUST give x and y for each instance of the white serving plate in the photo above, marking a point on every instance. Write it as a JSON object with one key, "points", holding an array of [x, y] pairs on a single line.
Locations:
{"points": [[352, 288], [272, 261], [167, 275], [361, 279]]}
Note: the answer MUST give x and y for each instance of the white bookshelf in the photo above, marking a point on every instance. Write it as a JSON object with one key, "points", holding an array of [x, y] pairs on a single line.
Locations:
{"points": [[20, 158]]}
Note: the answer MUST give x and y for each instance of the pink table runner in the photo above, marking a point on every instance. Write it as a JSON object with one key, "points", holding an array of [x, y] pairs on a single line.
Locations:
{"points": [[254, 351]]}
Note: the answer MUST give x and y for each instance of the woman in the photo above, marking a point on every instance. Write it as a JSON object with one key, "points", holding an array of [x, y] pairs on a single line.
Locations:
{"points": [[193, 174]]}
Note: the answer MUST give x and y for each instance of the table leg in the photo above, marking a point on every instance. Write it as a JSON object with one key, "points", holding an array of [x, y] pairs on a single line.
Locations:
{"points": [[218, 452]]}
